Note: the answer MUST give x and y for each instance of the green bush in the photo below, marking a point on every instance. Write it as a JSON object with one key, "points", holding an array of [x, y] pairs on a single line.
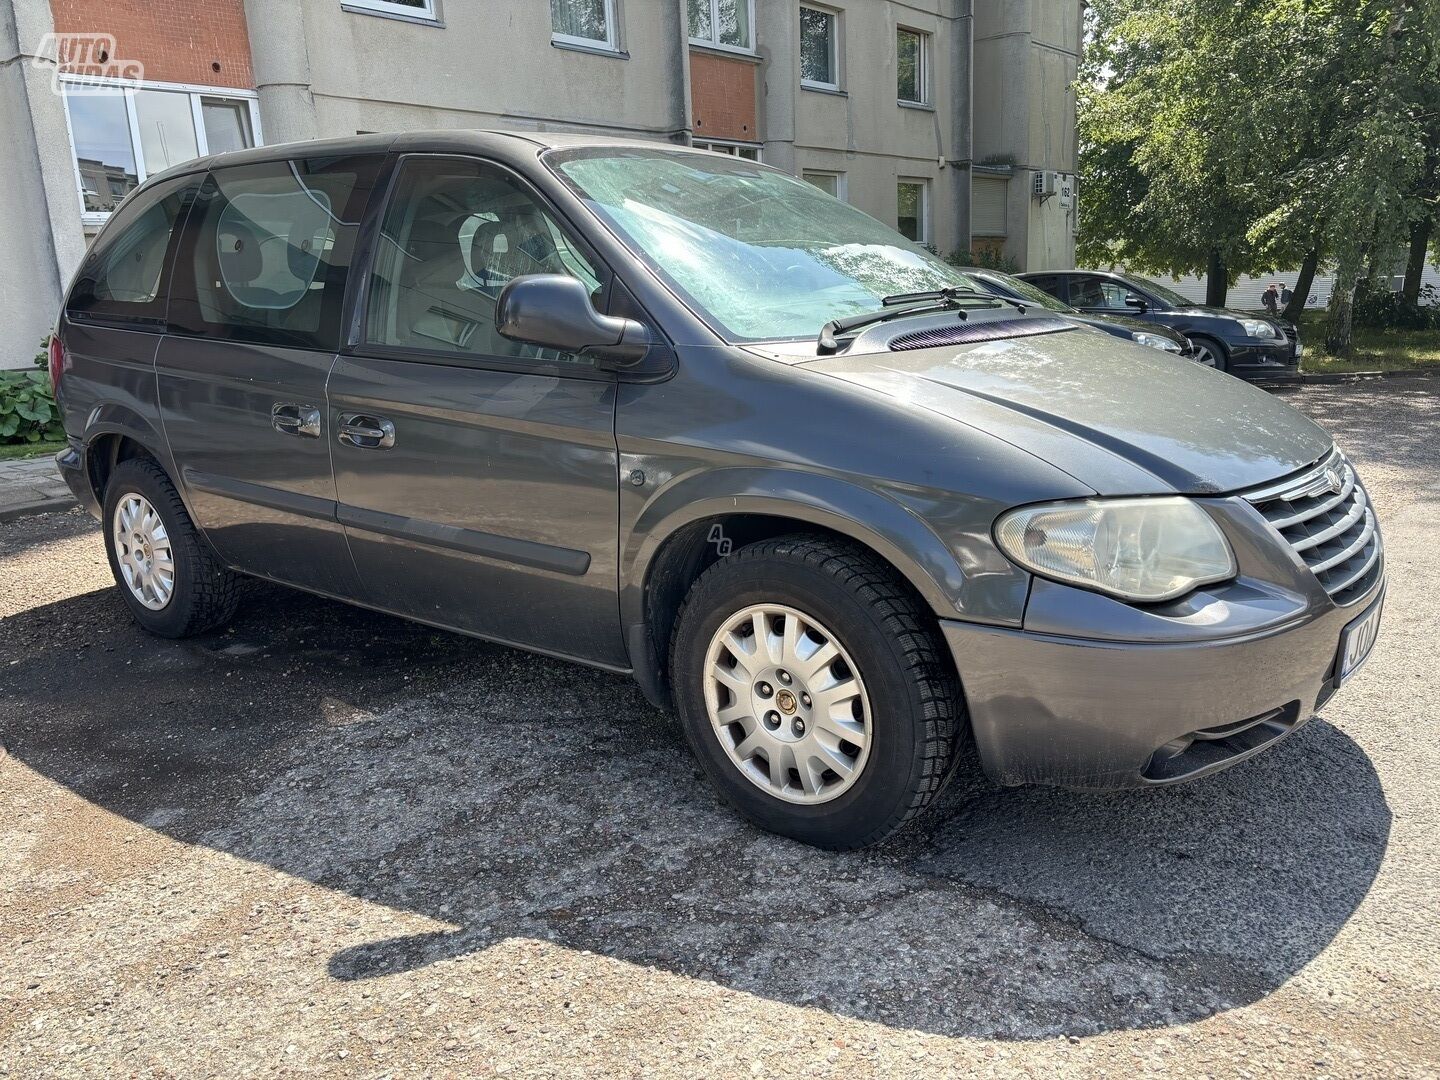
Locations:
{"points": [[28, 413], [985, 259], [1382, 309]]}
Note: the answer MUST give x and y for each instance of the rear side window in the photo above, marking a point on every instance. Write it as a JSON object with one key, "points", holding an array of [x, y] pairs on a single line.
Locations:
{"points": [[123, 277], [266, 252]]}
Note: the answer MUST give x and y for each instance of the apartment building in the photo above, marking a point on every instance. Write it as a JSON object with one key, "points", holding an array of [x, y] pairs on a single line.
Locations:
{"points": [[951, 119]]}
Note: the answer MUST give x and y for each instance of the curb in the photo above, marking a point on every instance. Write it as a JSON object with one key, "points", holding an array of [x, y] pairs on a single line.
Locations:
{"points": [[40, 506], [1358, 376]]}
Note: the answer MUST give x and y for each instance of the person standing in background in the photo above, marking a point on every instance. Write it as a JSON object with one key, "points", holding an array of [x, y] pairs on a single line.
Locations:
{"points": [[1285, 295], [1270, 298]]}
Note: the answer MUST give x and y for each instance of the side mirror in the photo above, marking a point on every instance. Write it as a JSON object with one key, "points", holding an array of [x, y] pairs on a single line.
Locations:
{"points": [[554, 311], [1137, 302]]}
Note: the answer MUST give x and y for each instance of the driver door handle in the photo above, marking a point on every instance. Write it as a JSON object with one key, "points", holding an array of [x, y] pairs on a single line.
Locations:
{"points": [[366, 432]]}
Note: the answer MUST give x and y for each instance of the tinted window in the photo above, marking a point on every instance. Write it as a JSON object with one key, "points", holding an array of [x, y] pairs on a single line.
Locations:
{"points": [[1054, 284], [267, 251], [123, 275], [454, 235], [1091, 292]]}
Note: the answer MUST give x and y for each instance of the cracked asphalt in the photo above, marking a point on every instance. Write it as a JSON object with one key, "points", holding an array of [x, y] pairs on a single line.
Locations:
{"points": [[324, 841]]}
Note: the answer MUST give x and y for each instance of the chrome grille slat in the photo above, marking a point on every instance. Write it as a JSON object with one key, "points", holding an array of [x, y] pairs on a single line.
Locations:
{"points": [[1332, 531]]}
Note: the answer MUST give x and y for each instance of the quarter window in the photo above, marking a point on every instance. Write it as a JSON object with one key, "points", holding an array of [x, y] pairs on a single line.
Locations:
{"points": [[267, 251], [724, 24], [913, 210], [122, 136], [454, 236], [819, 59], [913, 63], [584, 22]]}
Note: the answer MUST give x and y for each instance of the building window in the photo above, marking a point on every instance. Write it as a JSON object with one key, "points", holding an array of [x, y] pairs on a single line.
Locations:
{"points": [[122, 135], [584, 22], [723, 24], [819, 49], [408, 9], [913, 67], [912, 215], [748, 151], [832, 183]]}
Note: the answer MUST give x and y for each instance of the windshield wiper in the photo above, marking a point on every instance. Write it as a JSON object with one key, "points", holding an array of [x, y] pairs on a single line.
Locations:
{"points": [[901, 305]]}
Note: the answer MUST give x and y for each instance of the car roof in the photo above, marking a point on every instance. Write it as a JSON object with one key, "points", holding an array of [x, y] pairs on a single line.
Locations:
{"points": [[494, 142]]}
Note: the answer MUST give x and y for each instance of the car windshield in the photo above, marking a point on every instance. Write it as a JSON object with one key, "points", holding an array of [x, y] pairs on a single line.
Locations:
{"points": [[758, 254], [1025, 291], [1170, 296]]}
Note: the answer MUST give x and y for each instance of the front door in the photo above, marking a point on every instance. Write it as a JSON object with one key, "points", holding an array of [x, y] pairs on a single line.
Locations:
{"points": [[256, 296], [477, 477]]}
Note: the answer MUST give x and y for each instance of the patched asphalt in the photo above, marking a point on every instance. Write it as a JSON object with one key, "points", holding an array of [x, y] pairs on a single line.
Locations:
{"points": [[326, 841]]}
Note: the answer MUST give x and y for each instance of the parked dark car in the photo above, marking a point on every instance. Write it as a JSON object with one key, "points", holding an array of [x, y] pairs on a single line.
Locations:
{"points": [[1155, 335], [1251, 346], [680, 415]]}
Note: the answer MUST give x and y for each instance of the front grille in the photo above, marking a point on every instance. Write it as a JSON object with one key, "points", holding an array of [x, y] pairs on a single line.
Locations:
{"points": [[969, 333], [1325, 515], [1292, 334]]}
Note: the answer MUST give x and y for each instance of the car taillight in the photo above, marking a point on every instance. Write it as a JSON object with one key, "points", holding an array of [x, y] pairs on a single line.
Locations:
{"points": [[57, 361]]}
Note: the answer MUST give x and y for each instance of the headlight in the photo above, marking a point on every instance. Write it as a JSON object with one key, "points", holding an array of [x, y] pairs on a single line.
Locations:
{"points": [[1156, 341], [1259, 328], [1137, 549]]}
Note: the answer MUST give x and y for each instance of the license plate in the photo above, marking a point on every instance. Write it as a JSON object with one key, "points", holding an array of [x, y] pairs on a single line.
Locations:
{"points": [[1299, 350], [1356, 641]]}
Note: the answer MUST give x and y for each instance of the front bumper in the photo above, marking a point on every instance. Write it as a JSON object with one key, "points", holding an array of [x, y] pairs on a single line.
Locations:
{"points": [[1266, 358], [1093, 714]]}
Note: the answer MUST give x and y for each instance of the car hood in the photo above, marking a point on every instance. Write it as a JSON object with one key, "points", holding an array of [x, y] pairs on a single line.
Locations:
{"points": [[1121, 418], [1135, 326]]}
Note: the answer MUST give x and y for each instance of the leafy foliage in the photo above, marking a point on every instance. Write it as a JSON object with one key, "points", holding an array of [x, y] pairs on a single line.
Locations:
{"points": [[28, 413]]}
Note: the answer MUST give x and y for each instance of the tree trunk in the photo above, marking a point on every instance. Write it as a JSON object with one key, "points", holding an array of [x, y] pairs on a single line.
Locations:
{"points": [[1217, 280], [1415, 266], [1301, 290], [1342, 309]]}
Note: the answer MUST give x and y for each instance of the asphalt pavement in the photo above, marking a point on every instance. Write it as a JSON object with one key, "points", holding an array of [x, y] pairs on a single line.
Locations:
{"points": [[324, 841]]}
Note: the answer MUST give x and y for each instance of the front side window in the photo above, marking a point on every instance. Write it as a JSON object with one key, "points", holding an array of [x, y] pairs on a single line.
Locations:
{"points": [[267, 251], [122, 274], [912, 210], [455, 234], [104, 122], [726, 24], [1090, 292], [584, 22], [819, 65], [760, 255], [913, 61]]}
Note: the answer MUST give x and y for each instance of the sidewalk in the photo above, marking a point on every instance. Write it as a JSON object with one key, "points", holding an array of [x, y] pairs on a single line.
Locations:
{"points": [[32, 486]]}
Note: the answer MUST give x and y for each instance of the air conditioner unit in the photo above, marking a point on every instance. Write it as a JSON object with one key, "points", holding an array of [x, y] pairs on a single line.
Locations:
{"points": [[1046, 183]]}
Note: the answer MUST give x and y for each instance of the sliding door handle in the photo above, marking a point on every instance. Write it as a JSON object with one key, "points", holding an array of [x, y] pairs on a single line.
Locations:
{"points": [[366, 432], [292, 419]]}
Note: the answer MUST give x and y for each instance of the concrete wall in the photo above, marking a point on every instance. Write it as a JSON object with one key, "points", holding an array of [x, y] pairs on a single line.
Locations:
{"points": [[322, 70], [41, 242], [1027, 55]]}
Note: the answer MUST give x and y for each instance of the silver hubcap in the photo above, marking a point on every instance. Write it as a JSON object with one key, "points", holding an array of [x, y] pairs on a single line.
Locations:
{"points": [[1204, 357], [142, 548], [787, 704]]}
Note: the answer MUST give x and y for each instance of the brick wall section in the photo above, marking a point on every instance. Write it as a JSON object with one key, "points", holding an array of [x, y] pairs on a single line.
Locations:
{"points": [[177, 40], [722, 93]]}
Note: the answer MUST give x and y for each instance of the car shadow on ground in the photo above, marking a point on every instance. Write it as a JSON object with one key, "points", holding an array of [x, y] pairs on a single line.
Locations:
{"points": [[508, 795]]}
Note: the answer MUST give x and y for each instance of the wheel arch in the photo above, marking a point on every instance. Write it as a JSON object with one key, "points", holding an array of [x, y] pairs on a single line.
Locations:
{"points": [[692, 524], [114, 433]]}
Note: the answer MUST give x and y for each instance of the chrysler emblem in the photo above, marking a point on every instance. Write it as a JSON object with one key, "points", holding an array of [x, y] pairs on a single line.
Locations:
{"points": [[1332, 477]]}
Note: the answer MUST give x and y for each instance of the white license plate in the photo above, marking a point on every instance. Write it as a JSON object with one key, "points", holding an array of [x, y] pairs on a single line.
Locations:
{"points": [[1299, 350], [1356, 641]]}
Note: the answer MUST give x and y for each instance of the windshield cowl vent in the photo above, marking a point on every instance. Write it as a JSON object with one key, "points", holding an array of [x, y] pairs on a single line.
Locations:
{"points": [[970, 333]]}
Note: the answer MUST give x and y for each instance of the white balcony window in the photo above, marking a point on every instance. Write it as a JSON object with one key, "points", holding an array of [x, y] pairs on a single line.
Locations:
{"points": [[584, 22], [724, 24], [819, 48]]}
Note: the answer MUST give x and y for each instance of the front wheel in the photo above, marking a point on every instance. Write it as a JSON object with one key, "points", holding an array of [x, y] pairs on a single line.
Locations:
{"points": [[815, 691], [1209, 353]]}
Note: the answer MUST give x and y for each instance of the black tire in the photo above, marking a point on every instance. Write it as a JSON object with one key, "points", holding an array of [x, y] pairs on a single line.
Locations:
{"points": [[205, 592], [917, 711], [1215, 348]]}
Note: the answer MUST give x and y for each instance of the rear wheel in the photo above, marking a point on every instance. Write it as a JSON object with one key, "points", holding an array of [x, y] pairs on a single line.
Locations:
{"points": [[814, 689], [169, 578], [1209, 353]]}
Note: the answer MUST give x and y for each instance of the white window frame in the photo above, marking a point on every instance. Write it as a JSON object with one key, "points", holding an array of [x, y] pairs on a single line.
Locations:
{"points": [[715, 42], [924, 65], [196, 92], [924, 184], [816, 84], [842, 189], [729, 146], [399, 11], [610, 43]]}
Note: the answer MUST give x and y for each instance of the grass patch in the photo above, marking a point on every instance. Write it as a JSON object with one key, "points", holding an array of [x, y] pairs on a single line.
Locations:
{"points": [[1374, 350], [19, 451]]}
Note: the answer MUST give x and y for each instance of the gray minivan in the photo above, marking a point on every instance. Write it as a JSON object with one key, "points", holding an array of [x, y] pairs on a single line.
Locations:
{"points": [[680, 415]]}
